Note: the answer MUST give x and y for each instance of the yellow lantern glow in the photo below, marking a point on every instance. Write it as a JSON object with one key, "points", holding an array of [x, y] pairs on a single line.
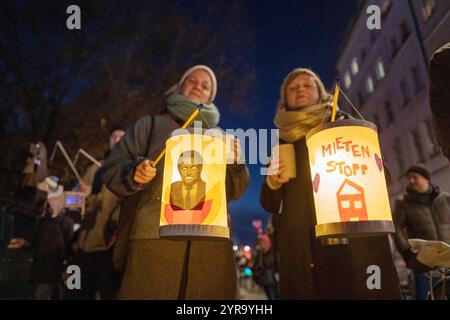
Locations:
{"points": [[193, 198], [349, 185]]}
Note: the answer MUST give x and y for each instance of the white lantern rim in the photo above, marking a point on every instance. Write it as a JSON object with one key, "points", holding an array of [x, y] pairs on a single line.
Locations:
{"points": [[194, 232], [341, 123], [354, 229]]}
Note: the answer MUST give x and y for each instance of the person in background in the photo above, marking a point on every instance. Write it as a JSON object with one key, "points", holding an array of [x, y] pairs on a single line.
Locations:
{"points": [[308, 268], [95, 239], [264, 267], [421, 213], [51, 239]]}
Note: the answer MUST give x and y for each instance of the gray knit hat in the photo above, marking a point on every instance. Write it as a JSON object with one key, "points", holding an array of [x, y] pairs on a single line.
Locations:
{"points": [[421, 170]]}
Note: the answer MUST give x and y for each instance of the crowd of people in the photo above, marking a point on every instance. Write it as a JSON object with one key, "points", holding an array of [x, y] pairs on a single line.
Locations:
{"points": [[122, 256]]}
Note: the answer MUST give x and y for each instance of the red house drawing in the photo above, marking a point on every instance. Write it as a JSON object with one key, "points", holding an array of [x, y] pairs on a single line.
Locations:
{"points": [[351, 202]]}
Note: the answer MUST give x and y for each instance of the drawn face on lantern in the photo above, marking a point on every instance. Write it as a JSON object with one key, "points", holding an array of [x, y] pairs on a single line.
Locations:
{"points": [[190, 167], [193, 201]]}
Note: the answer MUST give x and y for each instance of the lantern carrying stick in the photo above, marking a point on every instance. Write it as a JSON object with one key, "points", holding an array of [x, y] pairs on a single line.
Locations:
{"points": [[185, 125], [66, 156], [335, 100], [87, 155]]}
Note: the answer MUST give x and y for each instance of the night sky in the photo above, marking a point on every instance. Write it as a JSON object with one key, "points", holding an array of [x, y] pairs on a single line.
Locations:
{"points": [[289, 34]]}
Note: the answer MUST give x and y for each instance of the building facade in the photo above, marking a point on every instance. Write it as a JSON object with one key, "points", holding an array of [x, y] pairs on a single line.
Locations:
{"points": [[384, 73]]}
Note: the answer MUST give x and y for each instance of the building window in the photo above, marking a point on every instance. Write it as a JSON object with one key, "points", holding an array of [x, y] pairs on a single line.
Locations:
{"points": [[347, 80], [369, 85], [405, 92], [418, 145], [418, 83], [379, 69], [394, 47], [399, 156], [404, 31], [354, 66], [389, 112], [428, 8], [434, 149]]}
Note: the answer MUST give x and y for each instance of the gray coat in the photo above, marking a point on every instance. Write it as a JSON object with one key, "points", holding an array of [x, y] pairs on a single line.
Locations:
{"points": [[138, 229], [422, 221]]}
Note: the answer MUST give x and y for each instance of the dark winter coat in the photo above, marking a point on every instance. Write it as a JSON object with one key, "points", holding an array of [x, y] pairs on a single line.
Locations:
{"points": [[309, 270], [428, 220], [146, 260], [440, 96], [51, 240], [264, 268]]}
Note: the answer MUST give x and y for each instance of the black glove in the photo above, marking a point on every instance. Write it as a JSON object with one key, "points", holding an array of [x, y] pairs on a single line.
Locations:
{"points": [[412, 262]]}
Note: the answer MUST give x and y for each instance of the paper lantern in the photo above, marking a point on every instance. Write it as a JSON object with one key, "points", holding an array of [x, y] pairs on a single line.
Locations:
{"points": [[349, 186], [193, 196]]}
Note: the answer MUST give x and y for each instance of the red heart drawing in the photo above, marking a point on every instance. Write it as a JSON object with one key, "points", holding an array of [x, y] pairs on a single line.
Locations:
{"points": [[379, 162], [316, 182]]}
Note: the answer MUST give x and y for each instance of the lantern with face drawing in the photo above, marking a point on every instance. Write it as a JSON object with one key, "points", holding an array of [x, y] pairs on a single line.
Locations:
{"points": [[193, 196]]}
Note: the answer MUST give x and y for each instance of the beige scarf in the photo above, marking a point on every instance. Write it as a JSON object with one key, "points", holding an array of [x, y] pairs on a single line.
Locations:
{"points": [[294, 125]]}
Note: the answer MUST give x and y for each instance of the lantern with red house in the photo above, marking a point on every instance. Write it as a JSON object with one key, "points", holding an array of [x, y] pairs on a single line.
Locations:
{"points": [[348, 181]]}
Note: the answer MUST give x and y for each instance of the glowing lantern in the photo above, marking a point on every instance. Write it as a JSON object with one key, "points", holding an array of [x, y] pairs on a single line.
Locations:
{"points": [[348, 180], [193, 196]]}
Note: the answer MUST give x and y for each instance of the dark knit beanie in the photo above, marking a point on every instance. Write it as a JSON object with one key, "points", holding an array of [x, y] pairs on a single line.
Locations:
{"points": [[419, 169]]}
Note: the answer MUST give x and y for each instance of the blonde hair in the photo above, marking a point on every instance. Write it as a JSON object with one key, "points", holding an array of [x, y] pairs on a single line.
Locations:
{"points": [[323, 95]]}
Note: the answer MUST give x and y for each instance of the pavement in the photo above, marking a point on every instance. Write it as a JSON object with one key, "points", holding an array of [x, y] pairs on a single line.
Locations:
{"points": [[252, 293]]}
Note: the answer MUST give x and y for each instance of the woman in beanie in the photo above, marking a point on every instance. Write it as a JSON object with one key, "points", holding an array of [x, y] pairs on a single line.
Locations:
{"points": [[155, 268], [308, 269]]}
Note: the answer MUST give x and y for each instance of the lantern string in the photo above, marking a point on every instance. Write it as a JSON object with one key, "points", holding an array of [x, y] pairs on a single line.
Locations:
{"points": [[204, 119], [185, 125], [351, 104]]}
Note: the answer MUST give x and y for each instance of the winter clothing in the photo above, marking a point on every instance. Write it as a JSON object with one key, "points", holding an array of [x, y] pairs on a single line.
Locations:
{"points": [[51, 240], [181, 108], [101, 207], [440, 95], [421, 216], [309, 270], [294, 125], [155, 268], [94, 256], [264, 272], [425, 216], [419, 170]]}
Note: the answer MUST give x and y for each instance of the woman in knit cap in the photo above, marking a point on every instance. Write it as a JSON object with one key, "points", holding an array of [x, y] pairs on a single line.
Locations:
{"points": [[310, 269], [155, 268]]}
